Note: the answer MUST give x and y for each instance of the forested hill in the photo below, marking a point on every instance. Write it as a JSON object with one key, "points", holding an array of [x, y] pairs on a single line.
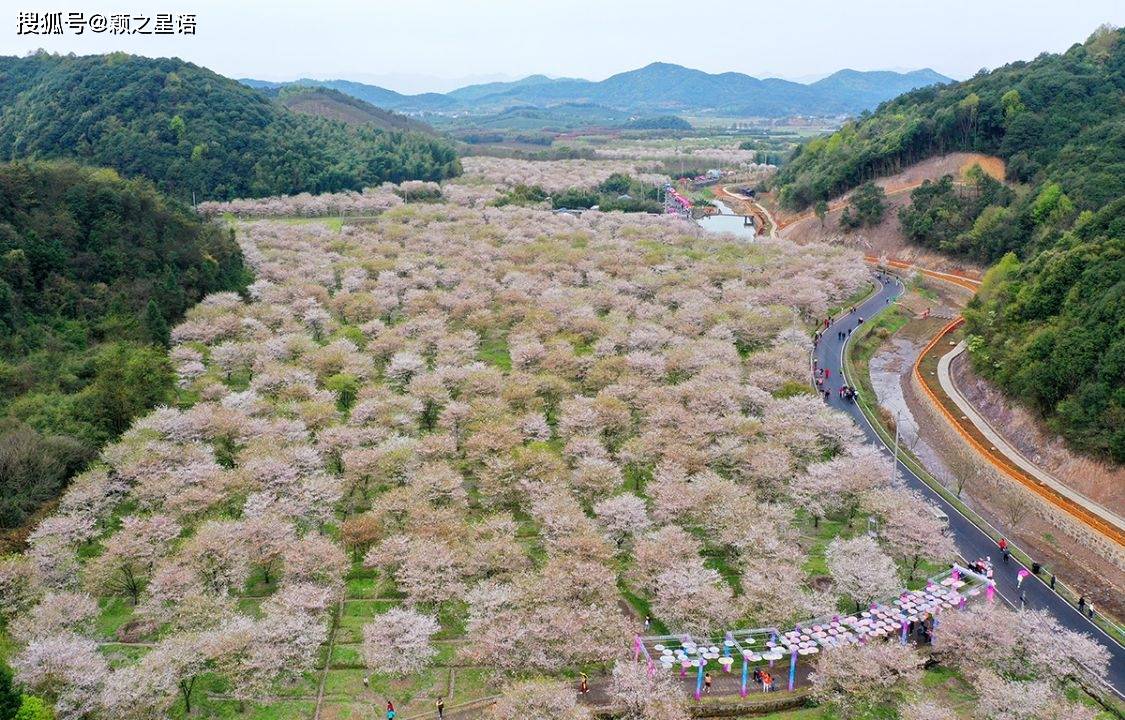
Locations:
{"points": [[93, 271], [1058, 117], [1048, 325], [191, 130], [335, 105]]}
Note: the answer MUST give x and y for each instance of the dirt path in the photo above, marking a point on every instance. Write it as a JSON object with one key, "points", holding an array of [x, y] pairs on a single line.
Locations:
{"points": [[1011, 453], [998, 452], [328, 658], [991, 453]]}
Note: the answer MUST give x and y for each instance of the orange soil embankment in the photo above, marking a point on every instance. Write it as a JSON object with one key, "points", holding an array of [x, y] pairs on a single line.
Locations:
{"points": [[955, 278], [993, 166], [972, 436]]}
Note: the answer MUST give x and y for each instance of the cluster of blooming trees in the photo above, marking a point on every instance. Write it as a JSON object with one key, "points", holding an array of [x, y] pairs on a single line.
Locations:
{"points": [[500, 406], [729, 155], [1017, 662], [349, 202], [555, 175]]}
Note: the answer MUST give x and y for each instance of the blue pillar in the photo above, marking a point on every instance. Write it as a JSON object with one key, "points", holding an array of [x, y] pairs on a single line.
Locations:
{"points": [[699, 679], [745, 674], [792, 669]]}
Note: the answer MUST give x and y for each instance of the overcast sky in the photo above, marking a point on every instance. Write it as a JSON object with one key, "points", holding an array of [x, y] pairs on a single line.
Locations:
{"points": [[417, 45]]}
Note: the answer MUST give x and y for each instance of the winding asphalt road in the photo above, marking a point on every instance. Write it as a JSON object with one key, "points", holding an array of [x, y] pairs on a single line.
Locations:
{"points": [[971, 541]]}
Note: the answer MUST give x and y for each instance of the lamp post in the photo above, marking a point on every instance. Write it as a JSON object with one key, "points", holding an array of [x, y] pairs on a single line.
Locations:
{"points": [[894, 457]]}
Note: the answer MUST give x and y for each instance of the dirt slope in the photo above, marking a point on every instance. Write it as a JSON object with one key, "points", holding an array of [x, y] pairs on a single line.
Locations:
{"points": [[327, 103], [887, 238]]}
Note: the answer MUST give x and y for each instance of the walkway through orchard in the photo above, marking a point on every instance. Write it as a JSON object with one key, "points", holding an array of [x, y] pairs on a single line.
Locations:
{"points": [[734, 659], [971, 541]]}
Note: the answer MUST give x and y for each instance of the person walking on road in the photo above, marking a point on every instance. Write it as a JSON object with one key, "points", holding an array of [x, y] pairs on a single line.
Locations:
{"points": [[584, 684], [440, 707]]}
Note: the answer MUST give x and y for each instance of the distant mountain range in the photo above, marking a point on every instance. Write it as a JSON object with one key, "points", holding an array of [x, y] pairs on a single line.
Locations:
{"points": [[658, 88]]}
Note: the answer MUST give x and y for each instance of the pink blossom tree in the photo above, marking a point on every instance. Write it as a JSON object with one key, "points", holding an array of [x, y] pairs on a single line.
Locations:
{"points": [[537, 700], [19, 586], [56, 613], [398, 642], [911, 528], [693, 598], [1001, 699], [660, 550], [774, 594], [645, 697], [130, 556], [317, 560], [855, 679], [65, 669], [266, 538], [217, 557], [622, 516], [861, 570]]}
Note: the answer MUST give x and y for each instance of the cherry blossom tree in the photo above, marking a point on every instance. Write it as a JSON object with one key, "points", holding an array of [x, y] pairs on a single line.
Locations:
{"points": [[642, 697], [398, 642], [911, 528], [217, 557], [1017, 644], [861, 570], [266, 539], [537, 700], [130, 556], [1000, 699], [622, 516], [317, 560], [855, 679], [693, 598], [65, 669], [181, 659], [595, 477], [256, 654], [660, 550], [56, 613], [773, 594], [19, 586]]}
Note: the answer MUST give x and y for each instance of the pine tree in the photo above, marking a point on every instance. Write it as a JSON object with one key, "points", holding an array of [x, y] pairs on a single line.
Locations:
{"points": [[156, 325]]}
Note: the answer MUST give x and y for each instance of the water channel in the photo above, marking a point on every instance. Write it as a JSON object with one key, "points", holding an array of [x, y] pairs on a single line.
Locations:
{"points": [[726, 222]]}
